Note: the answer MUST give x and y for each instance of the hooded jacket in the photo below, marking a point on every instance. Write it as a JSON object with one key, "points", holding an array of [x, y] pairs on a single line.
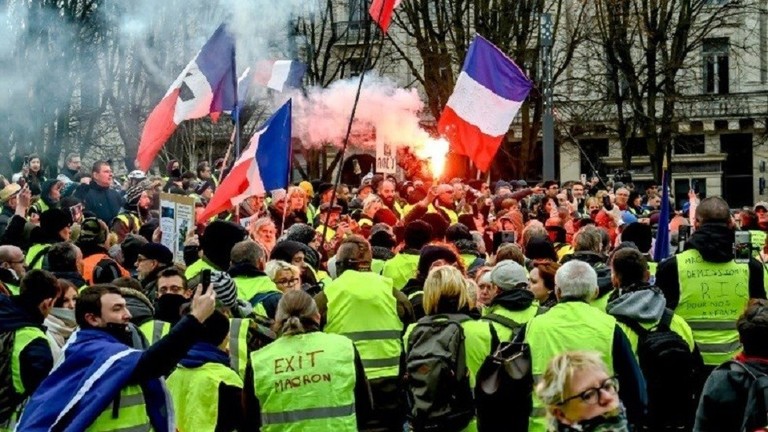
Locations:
{"points": [[715, 244], [36, 360], [643, 304]]}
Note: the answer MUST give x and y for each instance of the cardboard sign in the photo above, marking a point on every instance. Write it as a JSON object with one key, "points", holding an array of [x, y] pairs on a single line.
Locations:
{"points": [[386, 158], [177, 217]]}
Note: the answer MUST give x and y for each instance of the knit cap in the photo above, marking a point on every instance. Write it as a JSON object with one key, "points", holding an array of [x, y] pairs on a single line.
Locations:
{"points": [[224, 286]]}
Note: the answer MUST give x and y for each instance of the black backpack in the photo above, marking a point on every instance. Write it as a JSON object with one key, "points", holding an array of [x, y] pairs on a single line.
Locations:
{"points": [[670, 370], [437, 378], [756, 409]]}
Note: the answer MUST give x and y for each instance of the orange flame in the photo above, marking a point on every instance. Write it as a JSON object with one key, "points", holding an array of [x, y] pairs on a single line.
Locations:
{"points": [[435, 150]]}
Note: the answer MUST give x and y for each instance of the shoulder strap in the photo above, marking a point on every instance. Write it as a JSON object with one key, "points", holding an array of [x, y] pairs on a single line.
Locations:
{"points": [[499, 319], [634, 325], [666, 320], [262, 297], [39, 256]]}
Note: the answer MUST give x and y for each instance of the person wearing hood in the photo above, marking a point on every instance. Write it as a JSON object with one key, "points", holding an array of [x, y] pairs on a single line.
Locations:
{"points": [[429, 255], [98, 267], [216, 244], [49, 197], [206, 392], [134, 213], [459, 235], [253, 285], [65, 261], [55, 226], [98, 197], [24, 351], [12, 267], [295, 253], [403, 266], [587, 247], [60, 323], [152, 259], [513, 305], [694, 283]]}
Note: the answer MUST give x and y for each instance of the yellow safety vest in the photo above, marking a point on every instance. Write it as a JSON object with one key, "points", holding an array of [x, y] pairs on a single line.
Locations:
{"points": [[195, 394], [567, 326], [131, 221], [131, 415], [23, 337], [520, 317], [238, 345], [249, 287], [401, 268], [712, 297], [678, 325], [758, 241], [154, 330], [196, 267], [36, 253], [305, 383], [361, 307]]}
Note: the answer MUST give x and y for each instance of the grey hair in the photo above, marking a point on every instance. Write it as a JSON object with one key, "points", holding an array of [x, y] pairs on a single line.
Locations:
{"points": [[274, 267], [246, 252], [576, 280], [556, 381], [588, 238]]}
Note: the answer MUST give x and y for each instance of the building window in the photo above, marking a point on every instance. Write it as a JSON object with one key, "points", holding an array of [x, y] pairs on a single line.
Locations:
{"points": [[356, 10], [689, 144], [715, 53]]}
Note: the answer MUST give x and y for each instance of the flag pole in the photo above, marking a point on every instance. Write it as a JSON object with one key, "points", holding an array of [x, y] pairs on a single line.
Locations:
{"points": [[236, 108], [366, 57]]}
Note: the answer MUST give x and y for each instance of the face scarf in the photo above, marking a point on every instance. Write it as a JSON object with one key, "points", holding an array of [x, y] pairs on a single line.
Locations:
{"points": [[612, 421], [168, 307], [121, 332], [64, 314]]}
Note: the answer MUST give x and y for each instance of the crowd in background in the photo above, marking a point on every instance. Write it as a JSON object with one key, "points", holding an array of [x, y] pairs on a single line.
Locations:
{"points": [[320, 307]]}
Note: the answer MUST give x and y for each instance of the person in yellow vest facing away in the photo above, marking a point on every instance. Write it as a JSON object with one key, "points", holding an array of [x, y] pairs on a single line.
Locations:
{"points": [[707, 287], [306, 380], [580, 393], [25, 356], [55, 226], [640, 234], [366, 308], [103, 384], [513, 305], [404, 265], [98, 267], [12, 267], [253, 285], [216, 245], [573, 325], [207, 394], [135, 211]]}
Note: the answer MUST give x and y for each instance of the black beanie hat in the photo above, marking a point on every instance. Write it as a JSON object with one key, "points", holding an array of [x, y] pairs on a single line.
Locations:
{"points": [[540, 248], [216, 328], [431, 253], [382, 239], [54, 220], [458, 232], [218, 240]]}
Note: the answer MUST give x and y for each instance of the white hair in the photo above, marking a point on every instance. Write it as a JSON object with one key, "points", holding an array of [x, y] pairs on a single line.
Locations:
{"points": [[370, 200], [576, 280], [274, 267]]}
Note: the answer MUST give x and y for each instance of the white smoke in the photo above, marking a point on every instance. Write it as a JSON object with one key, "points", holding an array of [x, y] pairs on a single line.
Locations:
{"points": [[384, 112]]}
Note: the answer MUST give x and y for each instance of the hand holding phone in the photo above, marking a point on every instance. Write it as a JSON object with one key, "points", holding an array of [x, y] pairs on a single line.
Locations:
{"points": [[205, 279], [607, 203]]}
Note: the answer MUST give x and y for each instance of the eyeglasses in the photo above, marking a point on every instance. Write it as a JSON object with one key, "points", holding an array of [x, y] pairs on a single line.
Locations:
{"points": [[591, 396], [292, 281], [142, 259]]}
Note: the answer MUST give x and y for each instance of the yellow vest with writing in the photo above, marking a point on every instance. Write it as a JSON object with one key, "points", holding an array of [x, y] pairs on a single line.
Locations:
{"points": [[362, 307], [712, 297], [195, 394], [306, 383]]}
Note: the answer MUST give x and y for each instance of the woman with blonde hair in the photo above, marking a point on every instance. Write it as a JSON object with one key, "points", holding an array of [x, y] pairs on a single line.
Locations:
{"points": [[580, 395], [446, 298], [286, 276], [306, 379], [297, 199]]}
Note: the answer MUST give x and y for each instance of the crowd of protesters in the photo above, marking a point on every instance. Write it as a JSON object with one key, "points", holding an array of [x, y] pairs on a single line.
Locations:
{"points": [[325, 308]]}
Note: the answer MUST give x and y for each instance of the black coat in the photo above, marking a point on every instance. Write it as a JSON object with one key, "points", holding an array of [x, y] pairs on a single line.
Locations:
{"points": [[103, 202], [724, 398]]}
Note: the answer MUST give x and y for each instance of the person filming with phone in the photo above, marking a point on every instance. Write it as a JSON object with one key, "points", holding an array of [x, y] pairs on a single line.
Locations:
{"points": [[711, 282]]}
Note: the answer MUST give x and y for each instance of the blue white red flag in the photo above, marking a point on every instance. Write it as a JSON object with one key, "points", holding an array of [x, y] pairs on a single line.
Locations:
{"points": [[279, 75], [263, 166], [489, 92], [206, 86]]}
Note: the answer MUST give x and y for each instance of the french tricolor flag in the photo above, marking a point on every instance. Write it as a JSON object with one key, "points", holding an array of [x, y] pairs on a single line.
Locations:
{"points": [[489, 92], [279, 75], [263, 166], [206, 86]]}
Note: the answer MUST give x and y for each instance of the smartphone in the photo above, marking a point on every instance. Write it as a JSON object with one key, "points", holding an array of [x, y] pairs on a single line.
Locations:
{"points": [[583, 179], [205, 279], [502, 237], [607, 203], [683, 233], [742, 247], [695, 186]]}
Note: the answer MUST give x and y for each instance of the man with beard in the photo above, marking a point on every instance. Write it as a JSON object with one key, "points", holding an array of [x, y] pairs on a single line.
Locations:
{"points": [[386, 192], [134, 213], [103, 384], [152, 259]]}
